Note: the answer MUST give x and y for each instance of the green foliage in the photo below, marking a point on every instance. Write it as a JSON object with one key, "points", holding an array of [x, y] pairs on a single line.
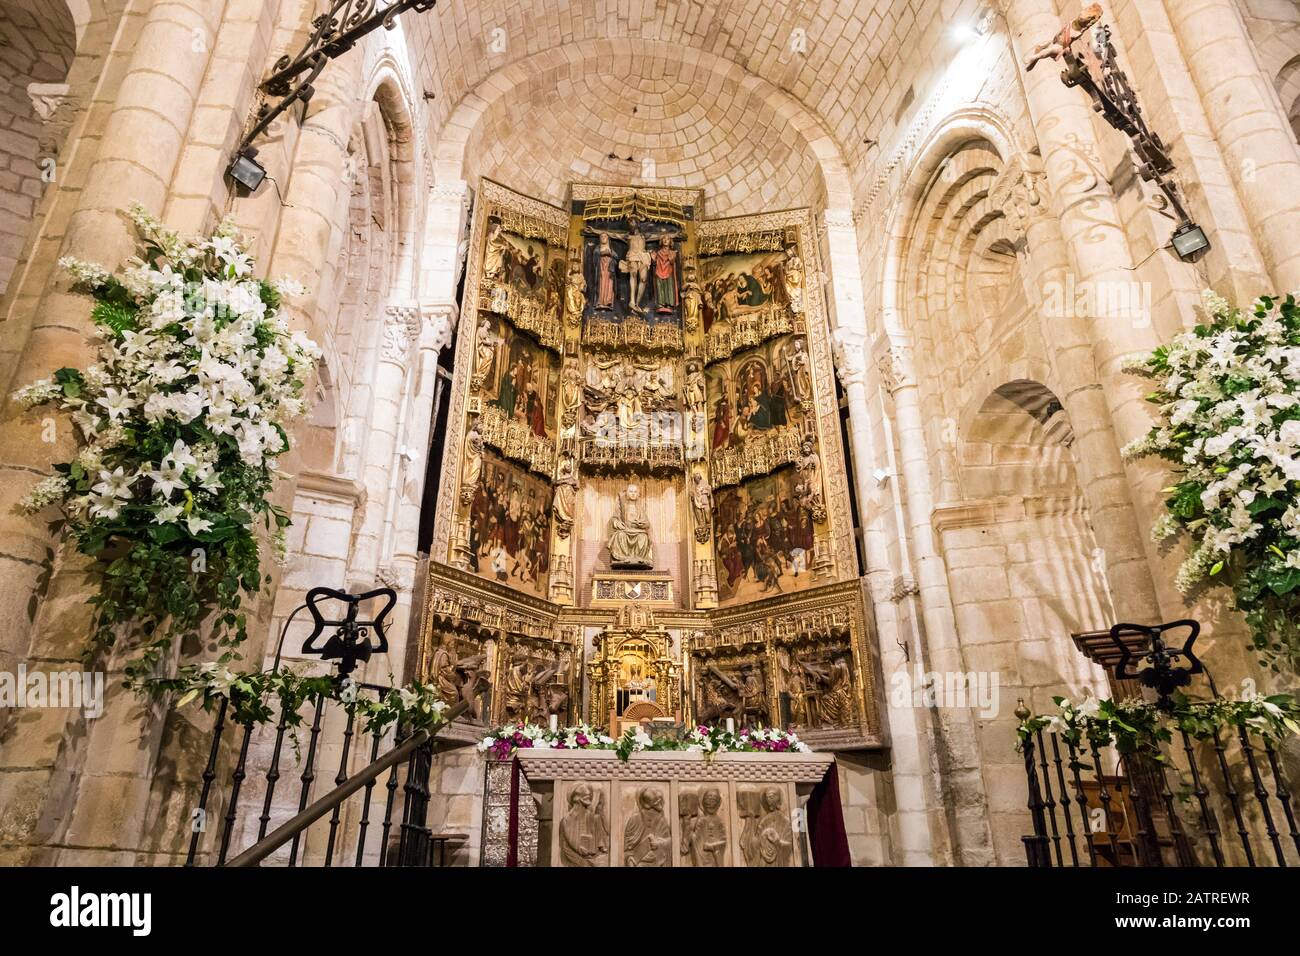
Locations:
{"points": [[1138, 727]]}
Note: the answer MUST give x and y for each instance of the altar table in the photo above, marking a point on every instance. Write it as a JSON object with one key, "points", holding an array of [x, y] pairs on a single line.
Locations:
{"points": [[671, 808]]}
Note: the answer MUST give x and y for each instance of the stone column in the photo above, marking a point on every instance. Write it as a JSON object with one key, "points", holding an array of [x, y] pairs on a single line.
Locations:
{"points": [[1019, 191], [401, 326], [919, 830], [1252, 131], [60, 765], [437, 324], [960, 756], [135, 163], [1081, 200]]}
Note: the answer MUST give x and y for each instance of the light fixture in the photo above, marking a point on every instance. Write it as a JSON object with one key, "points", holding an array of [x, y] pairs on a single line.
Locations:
{"points": [[978, 27], [246, 170], [1190, 242], [881, 475]]}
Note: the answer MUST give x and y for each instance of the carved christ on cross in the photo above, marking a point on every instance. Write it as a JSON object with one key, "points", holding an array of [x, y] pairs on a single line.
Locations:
{"points": [[1056, 47]]}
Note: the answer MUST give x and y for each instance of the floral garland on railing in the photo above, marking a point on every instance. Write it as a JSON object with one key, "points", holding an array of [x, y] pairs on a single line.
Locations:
{"points": [[250, 696], [179, 423], [1229, 398], [504, 742], [1139, 727]]}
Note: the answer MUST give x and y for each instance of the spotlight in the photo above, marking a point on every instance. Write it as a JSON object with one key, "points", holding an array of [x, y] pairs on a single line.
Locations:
{"points": [[1190, 241], [246, 170], [881, 475]]}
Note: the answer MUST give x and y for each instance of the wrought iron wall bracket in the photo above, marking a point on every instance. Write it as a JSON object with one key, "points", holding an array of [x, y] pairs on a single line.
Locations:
{"points": [[333, 33], [1098, 73]]}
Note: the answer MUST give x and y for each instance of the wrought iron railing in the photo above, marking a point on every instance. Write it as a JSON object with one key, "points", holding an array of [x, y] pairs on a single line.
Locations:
{"points": [[1160, 812], [398, 760]]}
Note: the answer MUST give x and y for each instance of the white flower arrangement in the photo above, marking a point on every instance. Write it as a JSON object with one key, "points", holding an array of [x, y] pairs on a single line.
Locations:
{"points": [[179, 422], [1229, 399]]}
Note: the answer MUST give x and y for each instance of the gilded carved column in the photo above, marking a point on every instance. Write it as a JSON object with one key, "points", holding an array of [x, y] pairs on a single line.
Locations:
{"points": [[1253, 133]]}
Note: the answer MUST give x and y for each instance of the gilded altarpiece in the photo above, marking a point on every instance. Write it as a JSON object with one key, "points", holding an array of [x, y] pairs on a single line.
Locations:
{"points": [[643, 515]]}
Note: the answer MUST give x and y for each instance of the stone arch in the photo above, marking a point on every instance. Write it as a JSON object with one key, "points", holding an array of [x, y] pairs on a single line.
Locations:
{"points": [[41, 40], [1018, 437], [1288, 90], [538, 74], [1011, 524], [376, 257], [949, 286]]}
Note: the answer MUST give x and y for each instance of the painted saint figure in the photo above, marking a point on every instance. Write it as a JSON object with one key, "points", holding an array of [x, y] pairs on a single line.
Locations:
{"points": [[665, 275]]}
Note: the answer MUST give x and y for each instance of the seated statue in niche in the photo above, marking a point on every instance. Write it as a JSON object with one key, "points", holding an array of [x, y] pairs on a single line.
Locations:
{"points": [[629, 539], [584, 831], [647, 837]]}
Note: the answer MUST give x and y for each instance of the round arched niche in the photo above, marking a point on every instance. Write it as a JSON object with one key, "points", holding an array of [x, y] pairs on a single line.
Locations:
{"points": [[1018, 443], [40, 39]]}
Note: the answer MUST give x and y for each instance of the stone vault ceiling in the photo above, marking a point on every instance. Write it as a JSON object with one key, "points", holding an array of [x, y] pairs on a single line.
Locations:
{"points": [[848, 76]]}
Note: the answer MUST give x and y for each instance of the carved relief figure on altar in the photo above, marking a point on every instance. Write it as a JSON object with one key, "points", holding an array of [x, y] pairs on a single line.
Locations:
{"points": [[584, 831], [704, 831], [768, 836], [566, 494], [765, 539], [459, 677], [508, 526], [629, 539], [575, 292], [647, 836]]}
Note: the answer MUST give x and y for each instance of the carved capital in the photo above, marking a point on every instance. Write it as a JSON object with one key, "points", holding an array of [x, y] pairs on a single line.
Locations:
{"points": [[839, 219], [1020, 191], [850, 351], [401, 326], [904, 585], [439, 321], [47, 98], [894, 363]]}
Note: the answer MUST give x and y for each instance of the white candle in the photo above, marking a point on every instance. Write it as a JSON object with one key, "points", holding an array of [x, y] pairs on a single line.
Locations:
{"points": [[555, 722], [731, 725]]}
